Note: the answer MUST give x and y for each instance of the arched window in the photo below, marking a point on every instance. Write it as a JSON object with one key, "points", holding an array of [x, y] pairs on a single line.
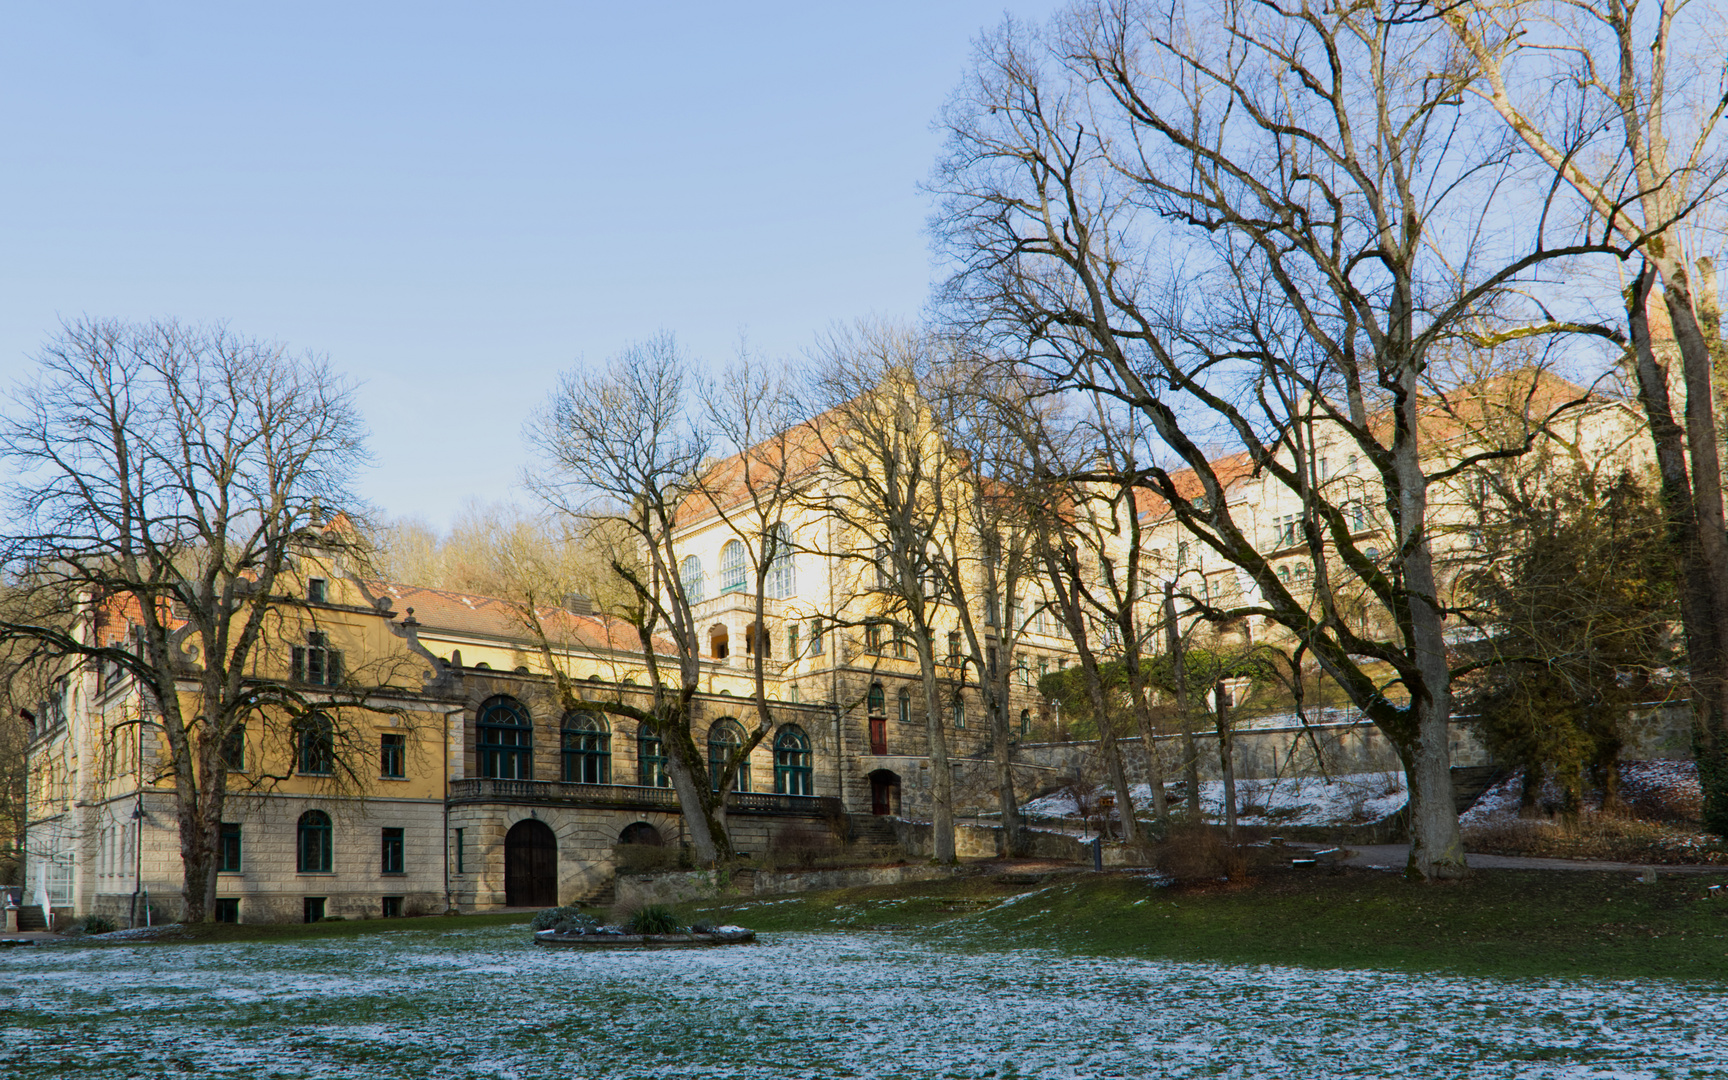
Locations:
{"points": [[505, 739], [1284, 574], [724, 739], [691, 577], [782, 575], [905, 705], [587, 749], [878, 700], [315, 745], [650, 759], [793, 774], [1373, 554], [314, 845], [1302, 573], [732, 566], [959, 711], [1025, 721]]}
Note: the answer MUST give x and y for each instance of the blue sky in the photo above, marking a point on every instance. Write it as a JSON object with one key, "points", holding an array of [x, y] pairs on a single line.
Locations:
{"points": [[456, 202]]}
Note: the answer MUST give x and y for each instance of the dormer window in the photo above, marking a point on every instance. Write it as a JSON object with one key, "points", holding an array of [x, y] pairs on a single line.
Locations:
{"points": [[318, 590]]}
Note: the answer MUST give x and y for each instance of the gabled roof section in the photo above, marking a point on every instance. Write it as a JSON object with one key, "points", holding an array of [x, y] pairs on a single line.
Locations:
{"points": [[724, 485]]}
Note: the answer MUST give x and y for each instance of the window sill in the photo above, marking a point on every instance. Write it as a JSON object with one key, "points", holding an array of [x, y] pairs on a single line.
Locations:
{"points": [[393, 873], [316, 873], [398, 779]]}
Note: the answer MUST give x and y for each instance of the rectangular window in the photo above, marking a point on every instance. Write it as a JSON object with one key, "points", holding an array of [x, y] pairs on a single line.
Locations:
{"points": [[873, 637], [315, 662], [792, 641], [899, 642], [229, 856], [392, 749], [234, 748], [459, 852], [312, 908], [953, 643], [392, 854], [1025, 672], [392, 907], [815, 637], [317, 590], [226, 909], [990, 659], [959, 713]]}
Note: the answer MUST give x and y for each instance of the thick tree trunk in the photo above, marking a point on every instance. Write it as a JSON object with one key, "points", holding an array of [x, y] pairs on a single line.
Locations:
{"points": [[1436, 846], [707, 836]]}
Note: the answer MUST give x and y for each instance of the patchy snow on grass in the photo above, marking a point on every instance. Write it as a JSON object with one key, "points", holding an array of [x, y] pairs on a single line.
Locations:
{"points": [[488, 1003], [1351, 799]]}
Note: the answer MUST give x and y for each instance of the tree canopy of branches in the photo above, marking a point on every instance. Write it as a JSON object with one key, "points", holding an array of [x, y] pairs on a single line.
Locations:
{"points": [[1254, 225], [161, 475]]}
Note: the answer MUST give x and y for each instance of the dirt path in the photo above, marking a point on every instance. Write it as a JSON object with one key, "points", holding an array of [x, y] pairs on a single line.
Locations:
{"points": [[1394, 857]]}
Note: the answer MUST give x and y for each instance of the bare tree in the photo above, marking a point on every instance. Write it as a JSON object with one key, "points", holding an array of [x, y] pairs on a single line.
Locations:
{"points": [[165, 475], [1624, 100], [1254, 224], [621, 447], [985, 542], [753, 411], [887, 482]]}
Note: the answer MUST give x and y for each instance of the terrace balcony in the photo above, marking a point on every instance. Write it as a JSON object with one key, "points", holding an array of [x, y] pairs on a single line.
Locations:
{"points": [[631, 797]]}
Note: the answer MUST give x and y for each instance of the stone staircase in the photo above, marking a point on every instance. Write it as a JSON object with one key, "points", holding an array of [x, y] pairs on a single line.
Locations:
{"points": [[30, 918], [872, 839]]}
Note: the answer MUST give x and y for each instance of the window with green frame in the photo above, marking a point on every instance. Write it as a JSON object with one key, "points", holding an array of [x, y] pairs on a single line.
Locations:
{"points": [[724, 739], [650, 759], [793, 773]]}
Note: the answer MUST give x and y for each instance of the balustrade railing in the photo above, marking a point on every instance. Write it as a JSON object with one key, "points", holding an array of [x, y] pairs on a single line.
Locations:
{"points": [[553, 791]]}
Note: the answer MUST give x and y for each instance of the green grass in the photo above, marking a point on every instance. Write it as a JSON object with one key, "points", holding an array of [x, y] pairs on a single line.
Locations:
{"points": [[1502, 923], [215, 932]]}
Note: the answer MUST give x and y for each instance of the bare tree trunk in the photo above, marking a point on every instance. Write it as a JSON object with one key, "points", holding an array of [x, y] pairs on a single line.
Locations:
{"points": [[1178, 671], [1226, 758], [942, 775], [1013, 844]]}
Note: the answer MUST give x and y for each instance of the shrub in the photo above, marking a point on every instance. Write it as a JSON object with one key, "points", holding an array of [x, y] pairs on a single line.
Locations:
{"points": [[565, 920], [802, 846], [89, 924], [1194, 852], [654, 919], [645, 858]]}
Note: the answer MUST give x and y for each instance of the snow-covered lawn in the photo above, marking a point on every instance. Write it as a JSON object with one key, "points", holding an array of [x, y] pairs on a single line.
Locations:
{"points": [[487, 1003], [1351, 799]]}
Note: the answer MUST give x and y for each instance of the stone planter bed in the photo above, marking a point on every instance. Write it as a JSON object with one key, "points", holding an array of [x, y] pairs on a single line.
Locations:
{"points": [[729, 936]]}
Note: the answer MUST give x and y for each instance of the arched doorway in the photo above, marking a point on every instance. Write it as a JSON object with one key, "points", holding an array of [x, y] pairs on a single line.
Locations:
{"points": [[530, 865], [884, 792]]}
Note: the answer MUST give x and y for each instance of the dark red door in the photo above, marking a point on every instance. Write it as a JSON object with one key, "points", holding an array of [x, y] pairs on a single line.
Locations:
{"points": [[530, 865], [882, 785], [878, 735]]}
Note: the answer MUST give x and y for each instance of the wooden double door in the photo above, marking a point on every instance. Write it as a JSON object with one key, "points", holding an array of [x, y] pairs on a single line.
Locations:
{"points": [[530, 865]]}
